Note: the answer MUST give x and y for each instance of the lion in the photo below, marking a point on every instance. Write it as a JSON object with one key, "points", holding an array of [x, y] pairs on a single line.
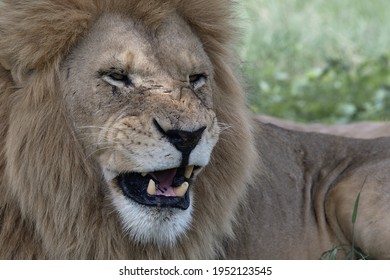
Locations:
{"points": [[125, 135], [361, 130]]}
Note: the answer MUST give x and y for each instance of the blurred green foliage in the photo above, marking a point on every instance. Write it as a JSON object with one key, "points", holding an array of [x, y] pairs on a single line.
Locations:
{"points": [[317, 60]]}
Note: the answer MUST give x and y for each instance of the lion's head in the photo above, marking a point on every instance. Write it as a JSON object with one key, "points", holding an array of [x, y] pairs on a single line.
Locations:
{"points": [[125, 123], [141, 105]]}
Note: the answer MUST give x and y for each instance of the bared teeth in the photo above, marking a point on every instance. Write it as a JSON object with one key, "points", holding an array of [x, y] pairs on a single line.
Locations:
{"points": [[144, 174], [151, 188], [188, 171], [181, 190]]}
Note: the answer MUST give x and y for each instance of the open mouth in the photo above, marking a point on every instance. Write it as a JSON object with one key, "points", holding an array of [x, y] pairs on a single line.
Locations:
{"points": [[163, 188]]}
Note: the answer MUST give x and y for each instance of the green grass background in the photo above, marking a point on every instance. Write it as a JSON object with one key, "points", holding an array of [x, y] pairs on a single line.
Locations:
{"points": [[317, 60]]}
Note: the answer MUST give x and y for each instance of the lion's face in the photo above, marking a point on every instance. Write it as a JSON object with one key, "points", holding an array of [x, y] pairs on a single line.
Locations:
{"points": [[141, 105]]}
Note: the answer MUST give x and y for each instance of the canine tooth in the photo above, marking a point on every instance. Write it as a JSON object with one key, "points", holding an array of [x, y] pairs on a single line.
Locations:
{"points": [[181, 191], [188, 171], [144, 174], [151, 188]]}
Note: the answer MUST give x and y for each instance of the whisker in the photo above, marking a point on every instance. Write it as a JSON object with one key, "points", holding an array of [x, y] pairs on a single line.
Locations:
{"points": [[100, 128], [96, 151], [223, 127]]}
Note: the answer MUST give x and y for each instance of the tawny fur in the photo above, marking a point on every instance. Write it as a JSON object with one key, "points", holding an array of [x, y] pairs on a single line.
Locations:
{"points": [[53, 202], [362, 130], [267, 192]]}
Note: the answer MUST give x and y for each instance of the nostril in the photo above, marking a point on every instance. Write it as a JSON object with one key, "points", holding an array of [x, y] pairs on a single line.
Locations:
{"points": [[184, 141]]}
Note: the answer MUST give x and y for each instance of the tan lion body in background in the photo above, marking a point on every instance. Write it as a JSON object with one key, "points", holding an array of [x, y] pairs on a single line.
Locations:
{"points": [[98, 98], [362, 130]]}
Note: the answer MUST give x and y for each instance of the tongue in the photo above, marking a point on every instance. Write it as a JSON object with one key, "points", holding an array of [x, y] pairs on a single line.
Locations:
{"points": [[165, 180]]}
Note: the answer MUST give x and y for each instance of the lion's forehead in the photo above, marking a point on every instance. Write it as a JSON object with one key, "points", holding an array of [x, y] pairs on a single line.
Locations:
{"points": [[171, 50]]}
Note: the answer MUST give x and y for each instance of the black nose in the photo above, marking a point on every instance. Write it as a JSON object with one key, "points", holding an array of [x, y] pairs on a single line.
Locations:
{"points": [[184, 141]]}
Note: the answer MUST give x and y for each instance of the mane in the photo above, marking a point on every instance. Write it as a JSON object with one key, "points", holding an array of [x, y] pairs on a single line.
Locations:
{"points": [[50, 187]]}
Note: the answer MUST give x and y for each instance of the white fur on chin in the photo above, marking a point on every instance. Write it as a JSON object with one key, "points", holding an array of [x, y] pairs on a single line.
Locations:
{"points": [[152, 225]]}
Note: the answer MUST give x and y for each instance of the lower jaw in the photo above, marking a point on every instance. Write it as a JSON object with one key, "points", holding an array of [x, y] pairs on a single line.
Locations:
{"points": [[159, 227], [162, 201], [140, 196]]}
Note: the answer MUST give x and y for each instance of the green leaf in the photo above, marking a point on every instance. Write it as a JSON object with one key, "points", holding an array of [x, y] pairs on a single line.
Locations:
{"points": [[333, 254], [356, 206], [355, 209]]}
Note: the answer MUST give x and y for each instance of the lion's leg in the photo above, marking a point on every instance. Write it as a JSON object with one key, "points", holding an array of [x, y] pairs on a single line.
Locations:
{"points": [[371, 232]]}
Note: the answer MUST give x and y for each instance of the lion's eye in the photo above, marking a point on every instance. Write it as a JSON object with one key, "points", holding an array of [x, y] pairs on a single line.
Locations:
{"points": [[117, 79], [198, 80]]}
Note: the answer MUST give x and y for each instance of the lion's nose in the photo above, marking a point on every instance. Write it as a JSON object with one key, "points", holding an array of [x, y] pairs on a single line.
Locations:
{"points": [[184, 141]]}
